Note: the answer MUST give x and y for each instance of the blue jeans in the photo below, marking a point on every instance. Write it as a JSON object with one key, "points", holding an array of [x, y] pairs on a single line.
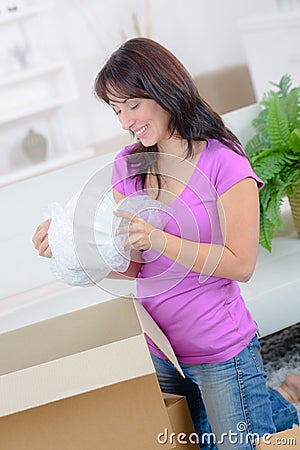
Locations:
{"points": [[229, 402]]}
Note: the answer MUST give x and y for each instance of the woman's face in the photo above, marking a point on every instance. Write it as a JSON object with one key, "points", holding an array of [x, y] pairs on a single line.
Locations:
{"points": [[144, 117]]}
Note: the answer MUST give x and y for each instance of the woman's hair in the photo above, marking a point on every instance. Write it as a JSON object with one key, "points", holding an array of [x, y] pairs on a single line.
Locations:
{"points": [[142, 68]]}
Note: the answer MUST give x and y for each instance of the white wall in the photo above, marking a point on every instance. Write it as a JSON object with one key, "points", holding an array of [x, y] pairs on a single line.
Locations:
{"points": [[204, 34]]}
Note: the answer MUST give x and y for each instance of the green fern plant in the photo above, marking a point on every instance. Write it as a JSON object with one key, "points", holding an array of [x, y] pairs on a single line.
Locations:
{"points": [[274, 153]]}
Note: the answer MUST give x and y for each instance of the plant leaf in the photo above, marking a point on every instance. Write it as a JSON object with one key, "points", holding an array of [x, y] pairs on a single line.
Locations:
{"points": [[274, 153], [255, 145], [260, 121], [273, 213], [284, 85], [292, 107], [294, 140], [267, 99], [266, 232], [268, 164], [278, 125]]}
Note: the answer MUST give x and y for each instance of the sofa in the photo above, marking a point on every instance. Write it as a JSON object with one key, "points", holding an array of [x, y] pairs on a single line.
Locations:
{"points": [[226, 88]]}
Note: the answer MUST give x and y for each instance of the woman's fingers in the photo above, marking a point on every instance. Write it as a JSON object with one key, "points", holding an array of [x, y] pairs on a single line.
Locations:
{"points": [[124, 214], [40, 239], [127, 229], [44, 249], [134, 241], [40, 233], [48, 252], [138, 230]]}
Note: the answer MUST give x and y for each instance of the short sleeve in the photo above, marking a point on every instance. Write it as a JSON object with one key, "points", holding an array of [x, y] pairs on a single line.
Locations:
{"points": [[229, 168], [119, 173], [120, 179]]}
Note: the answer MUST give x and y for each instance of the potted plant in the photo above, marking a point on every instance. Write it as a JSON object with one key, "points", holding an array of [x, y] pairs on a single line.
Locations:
{"points": [[274, 153]]}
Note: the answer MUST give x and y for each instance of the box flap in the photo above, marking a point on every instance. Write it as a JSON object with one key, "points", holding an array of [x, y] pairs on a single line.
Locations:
{"points": [[74, 374], [171, 399], [73, 332], [156, 335]]}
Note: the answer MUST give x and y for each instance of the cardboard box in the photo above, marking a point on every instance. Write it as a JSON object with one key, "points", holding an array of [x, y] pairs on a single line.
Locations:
{"points": [[83, 381], [184, 435], [288, 439]]}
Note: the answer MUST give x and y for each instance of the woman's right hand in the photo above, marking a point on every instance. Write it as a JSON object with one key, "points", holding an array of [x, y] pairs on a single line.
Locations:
{"points": [[40, 239]]}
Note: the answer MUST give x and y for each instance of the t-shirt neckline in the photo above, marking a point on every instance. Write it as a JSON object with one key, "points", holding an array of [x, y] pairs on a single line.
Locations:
{"points": [[196, 168]]}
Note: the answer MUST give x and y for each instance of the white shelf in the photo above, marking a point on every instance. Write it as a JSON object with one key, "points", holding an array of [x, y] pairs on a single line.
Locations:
{"points": [[25, 12], [27, 74], [52, 85], [39, 91], [42, 107], [47, 166]]}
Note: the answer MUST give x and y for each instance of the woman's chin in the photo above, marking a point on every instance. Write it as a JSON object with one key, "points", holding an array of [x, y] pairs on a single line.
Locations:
{"points": [[147, 142]]}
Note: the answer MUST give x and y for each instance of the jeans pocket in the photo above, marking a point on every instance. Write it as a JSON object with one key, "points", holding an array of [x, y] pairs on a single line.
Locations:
{"points": [[254, 349]]}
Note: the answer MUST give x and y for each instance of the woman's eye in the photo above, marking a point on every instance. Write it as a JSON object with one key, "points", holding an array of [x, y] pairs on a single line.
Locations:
{"points": [[133, 106], [117, 112]]}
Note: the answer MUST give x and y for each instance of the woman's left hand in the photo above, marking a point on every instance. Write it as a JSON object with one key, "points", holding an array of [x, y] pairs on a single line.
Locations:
{"points": [[141, 234]]}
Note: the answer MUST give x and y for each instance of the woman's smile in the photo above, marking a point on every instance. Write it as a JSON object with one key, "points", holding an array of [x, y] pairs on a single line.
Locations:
{"points": [[140, 132]]}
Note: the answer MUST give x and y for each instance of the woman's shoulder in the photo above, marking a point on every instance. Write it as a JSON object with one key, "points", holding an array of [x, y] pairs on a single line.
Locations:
{"points": [[220, 150], [225, 167], [124, 170], [220, 155], [125, 151]]}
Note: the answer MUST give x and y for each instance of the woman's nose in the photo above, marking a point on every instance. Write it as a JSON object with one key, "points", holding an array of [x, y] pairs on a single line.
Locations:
{"points": [[126, 121]]}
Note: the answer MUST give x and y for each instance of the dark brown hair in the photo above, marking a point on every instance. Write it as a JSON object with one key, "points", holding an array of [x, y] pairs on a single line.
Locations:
{"points": [[142, 68]]}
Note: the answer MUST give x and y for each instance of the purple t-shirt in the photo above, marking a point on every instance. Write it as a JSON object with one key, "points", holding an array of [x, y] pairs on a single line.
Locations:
{"points": [[204, 317]]}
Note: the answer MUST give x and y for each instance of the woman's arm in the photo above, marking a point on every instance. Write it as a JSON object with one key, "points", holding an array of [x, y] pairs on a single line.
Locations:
{"points": [[239, 208], [133, 269], [240, 226]]}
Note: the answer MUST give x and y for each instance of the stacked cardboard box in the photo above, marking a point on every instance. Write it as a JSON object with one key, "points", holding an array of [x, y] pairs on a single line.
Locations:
{"points": [[289, 440], [184, 436]]}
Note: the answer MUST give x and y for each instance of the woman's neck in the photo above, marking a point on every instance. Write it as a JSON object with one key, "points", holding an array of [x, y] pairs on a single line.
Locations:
{"points": [[178, 147], [173, 146]]}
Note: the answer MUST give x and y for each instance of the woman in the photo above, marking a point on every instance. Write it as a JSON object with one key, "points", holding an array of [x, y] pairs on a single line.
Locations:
{"points": [[187, 274]]}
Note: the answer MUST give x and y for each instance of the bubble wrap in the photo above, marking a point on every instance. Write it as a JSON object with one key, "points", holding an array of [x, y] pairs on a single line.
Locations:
{"points": [[83, 240]]}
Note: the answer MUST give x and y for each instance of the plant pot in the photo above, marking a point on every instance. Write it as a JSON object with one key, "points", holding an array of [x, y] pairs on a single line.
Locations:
{"points": [[295, 208]]}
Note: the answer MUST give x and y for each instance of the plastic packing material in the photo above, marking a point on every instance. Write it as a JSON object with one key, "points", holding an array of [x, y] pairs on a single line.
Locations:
{"points": [[82, 235]]}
